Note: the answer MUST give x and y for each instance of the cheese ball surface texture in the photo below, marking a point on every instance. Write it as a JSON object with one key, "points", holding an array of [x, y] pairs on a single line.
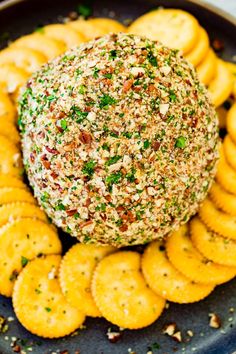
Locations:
{"points": [[120, 140]]}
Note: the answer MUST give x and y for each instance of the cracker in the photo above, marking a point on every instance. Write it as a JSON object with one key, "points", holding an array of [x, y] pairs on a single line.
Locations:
{"points": [[232, 69], [12, 195], [222, 114], [8, 129], [220, 87], [218, 221], [9, 181], [88, 29], [39, 303], [199, 51], [23, 240], [51, 48], [13, 77], [207, 68], [231, 122], [12, 211], [76, 272], [107, 25], [7, 109], [222, 199], [190, 262], [66, 34], [28, 59], [211, 245], [167, 281], [10, 158], [226, 175], [173, 27], [121, 293], [230, 151]]}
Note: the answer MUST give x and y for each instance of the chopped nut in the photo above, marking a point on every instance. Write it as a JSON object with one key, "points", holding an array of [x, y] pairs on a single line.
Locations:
{"points": [[177, 336], [169, 329], [164, 108], [215, 321], [113, 337]]}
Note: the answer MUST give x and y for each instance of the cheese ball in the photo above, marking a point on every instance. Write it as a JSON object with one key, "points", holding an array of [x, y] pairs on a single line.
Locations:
{"points": [[120, 140]]}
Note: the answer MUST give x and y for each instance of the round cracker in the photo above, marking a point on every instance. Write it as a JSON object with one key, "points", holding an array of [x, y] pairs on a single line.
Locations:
{"points": [[167, 281], [230, 151], [28, 59], [10, 158], [232, 69], [107, 25], [220, 87], [218, 221], [13, 77], [222, 199], [212, 245], [7, 109], [9, 181], [76, 272], [51, 48], [66, 34], [222, 114], [88, 29], [13, 211], [198, 53], [8, 129], [121, 293], [231, 122], [23, 240], [190, 262], [225, 174], [12, 195], [207, 68], [39, 303], [174, 28]]}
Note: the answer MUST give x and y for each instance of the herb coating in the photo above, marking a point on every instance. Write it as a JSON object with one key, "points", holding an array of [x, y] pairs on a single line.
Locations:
{"points": [[120, 140]]}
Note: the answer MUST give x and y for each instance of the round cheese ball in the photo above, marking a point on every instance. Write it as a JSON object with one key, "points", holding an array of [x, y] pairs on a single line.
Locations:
{"points": [[120, 140]]}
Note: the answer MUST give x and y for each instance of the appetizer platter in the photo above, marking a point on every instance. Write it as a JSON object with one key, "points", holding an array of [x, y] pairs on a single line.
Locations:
{"points": [[117, 178]]}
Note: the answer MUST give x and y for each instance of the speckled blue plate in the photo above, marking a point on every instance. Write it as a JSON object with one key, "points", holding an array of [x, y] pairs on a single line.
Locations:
{"points": [[19, 18]]}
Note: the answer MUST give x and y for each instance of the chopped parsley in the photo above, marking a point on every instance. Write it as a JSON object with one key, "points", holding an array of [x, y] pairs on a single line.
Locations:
{"points": [[108, 76], [113, 178], [112, 54], [78, 114], [181, 142], [113, 160], [60, 206], [48, 309], [89, 168], [172, 96], [106, 101], [44, 197], [63, 124], [95, 73], [131, 175], [152, 59], [146, 144], [24, 261]]}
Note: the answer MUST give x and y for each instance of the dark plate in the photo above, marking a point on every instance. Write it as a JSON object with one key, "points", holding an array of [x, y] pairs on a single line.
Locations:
{"points": [[21, 18]]}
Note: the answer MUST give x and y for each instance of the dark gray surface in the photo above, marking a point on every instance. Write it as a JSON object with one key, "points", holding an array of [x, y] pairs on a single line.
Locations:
{"points": [[23, 18]]}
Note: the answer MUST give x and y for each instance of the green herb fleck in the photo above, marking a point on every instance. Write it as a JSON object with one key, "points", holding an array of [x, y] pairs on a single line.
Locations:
{"points": [[106, 100], [108, 76], [63, 124], [112, 54], [172, 96], [113, 160], [24, 261], [48, 309], [181, 142], [60, 206], [89, 168], [152, 59], [113, 178], [146, 144]]}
